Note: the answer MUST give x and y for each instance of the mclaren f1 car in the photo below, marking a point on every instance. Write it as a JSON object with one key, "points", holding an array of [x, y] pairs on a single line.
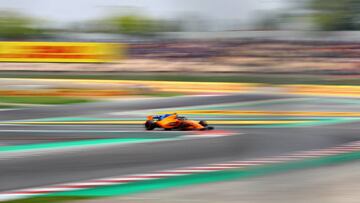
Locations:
{"points": [[174, 122]]}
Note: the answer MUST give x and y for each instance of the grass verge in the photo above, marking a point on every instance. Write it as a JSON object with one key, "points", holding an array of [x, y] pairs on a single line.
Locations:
{"points": [[163, 94], [6, 106]]}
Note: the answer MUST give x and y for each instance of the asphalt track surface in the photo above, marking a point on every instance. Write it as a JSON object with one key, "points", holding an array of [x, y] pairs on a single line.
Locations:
{"points": [[104, 107], [68, 166]]}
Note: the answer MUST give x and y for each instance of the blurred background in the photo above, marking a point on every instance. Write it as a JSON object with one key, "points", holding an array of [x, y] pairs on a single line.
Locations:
{"points": [[271, 41], [93, 69]]}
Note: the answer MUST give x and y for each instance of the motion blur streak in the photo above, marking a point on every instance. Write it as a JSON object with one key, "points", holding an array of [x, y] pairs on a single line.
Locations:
{"points": [[254, 89]]}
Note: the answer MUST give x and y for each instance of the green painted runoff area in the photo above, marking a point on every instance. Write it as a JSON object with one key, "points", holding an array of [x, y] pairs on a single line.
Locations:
{"points": [[81, 143]]}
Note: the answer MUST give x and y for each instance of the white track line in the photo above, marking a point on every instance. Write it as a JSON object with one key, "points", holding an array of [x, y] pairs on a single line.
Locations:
{"points": [[7, 109]]}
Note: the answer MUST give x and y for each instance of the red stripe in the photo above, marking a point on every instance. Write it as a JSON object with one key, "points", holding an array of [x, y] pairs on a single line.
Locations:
{"points": [[230, 165], [114, 181], [31, 192], [76, 186], [206, 168], [145, 176], [175, 172]]}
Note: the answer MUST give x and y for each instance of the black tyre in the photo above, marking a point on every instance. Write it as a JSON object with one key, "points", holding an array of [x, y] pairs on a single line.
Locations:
{"points": [[203, 123], [149, 125], [183, 126], [210, 128]]}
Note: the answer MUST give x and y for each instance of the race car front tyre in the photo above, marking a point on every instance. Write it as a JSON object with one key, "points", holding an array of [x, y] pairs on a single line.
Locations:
{"points": [[149, 125], [183, 126]]}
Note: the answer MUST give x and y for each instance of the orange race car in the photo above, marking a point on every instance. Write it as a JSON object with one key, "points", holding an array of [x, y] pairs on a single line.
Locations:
{"points": [[174, 122]]}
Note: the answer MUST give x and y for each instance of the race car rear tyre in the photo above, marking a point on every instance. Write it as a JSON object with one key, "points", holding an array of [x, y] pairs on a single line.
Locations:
{"points": [[149, 125], [203, 123]]}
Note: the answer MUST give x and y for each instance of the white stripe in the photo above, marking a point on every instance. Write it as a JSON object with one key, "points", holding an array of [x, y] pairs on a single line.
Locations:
{"points": [[85, 184], [157, 174], [267, 161], [186, 171], [135, 178], [230, 165], [210, 167], [50, 189], [8, 197], [7, 109]]}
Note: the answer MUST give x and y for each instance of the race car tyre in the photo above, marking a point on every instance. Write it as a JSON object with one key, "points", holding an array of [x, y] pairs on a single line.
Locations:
{"points": [[149, 125], [203, 123], [167, 129], [183, 126], [210, 128]]}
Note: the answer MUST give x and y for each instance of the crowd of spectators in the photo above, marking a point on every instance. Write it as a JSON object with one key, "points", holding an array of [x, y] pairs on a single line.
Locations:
{"points": [[258, 56], [223, 56]]}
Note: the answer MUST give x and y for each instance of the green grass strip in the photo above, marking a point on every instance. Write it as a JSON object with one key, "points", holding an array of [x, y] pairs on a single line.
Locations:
{"points": [[7, 106]]}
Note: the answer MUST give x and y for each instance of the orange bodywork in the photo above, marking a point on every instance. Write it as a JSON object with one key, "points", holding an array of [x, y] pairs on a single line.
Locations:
{"points": [[174, 122]]}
